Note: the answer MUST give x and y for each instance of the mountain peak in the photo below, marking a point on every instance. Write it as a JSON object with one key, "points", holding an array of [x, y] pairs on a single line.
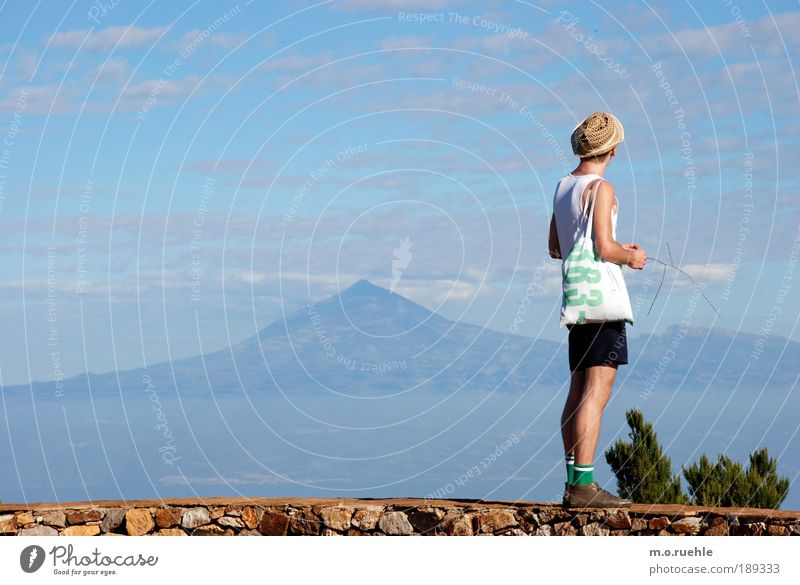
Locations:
{"points": [[364, 288]]}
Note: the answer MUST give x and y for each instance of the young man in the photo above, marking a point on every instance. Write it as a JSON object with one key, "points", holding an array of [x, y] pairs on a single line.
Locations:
{"points": [[595, 349]]}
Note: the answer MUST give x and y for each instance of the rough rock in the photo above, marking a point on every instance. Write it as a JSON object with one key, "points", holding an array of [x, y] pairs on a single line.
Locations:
{"points": [[194, 517], [457, 525], [212, 530], [619, 520], [40, 530], [216, 512], [425, 520], [775, 530], [304, 523], [138, 521], [717, 530], [366, 518], [593, 529], [749, 529], [168, 517], [716, 521], [112, 520], [273, 523], [395, 524], [658, 523], [528, 520], [580, 520], [250, 517], [83, 516], [92, 530], [688, 525], [494, 520], [336, 517], [231, 522], [171, 532], [8, 524], [564, 529], [248, 532], [638, 524], [25, 518], [54, 518], [544, 530], [548, 516]]}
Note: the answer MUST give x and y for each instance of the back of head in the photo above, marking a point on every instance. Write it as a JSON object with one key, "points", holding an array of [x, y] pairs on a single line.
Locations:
{"points": [[596, 135]]}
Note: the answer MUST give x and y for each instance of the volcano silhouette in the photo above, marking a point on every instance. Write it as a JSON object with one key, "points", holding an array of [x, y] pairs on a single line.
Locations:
{"points": [[369, 341]]}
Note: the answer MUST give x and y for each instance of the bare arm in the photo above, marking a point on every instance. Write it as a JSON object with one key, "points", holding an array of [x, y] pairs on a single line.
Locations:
{"points": [[552, 245], [609, 249]]}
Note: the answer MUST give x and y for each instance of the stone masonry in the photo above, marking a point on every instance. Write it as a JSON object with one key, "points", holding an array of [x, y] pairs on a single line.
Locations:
{"points": [[394, 517]]}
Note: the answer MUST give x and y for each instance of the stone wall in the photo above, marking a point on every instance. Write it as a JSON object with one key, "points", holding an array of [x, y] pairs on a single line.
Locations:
{"points": [[396, 516]]}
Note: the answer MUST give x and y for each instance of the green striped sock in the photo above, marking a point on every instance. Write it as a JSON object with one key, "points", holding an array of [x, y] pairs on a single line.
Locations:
{"points": [[583, 474], [570, 467]]}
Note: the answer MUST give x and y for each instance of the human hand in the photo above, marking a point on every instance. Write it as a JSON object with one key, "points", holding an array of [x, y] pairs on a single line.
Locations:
{"points": [[637, 257]]}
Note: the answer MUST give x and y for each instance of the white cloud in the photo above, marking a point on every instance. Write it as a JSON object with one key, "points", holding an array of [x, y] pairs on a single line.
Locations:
{"points": [[251, 277], [222, 40], [110, 71], [297, 63], [124, 37], [714, 272]]}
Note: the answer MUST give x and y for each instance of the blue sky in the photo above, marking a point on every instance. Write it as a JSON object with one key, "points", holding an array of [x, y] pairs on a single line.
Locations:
{"points": [[175, 176]]}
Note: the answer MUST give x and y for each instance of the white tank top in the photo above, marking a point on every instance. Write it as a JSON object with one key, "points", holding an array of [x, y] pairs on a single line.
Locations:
{"points": [[567, 210]]}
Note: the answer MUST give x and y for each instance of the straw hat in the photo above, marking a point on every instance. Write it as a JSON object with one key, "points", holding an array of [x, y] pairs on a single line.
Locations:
{"points": [[596, 135]]}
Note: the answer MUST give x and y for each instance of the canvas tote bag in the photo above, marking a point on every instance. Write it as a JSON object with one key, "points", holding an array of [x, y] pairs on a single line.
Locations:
{"points": [[593, 289]]}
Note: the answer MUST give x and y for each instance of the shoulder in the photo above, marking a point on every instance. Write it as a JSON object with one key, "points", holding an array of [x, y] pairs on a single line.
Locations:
{"points": [[606, 195], [606, 187], [605, 191]]}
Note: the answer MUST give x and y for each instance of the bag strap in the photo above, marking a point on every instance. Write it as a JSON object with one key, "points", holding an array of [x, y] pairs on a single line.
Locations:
{"points": [[590, 204]]}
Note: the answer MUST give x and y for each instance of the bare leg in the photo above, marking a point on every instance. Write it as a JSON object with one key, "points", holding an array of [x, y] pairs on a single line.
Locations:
{"points": [[597, 391], [568, 415]]}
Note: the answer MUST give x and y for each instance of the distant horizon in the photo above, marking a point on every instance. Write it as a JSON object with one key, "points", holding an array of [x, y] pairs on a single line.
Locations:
{"points": [[360, 282]]}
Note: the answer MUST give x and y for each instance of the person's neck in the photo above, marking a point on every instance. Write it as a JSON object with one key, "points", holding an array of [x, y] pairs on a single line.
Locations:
{"points": [[586, 168]]}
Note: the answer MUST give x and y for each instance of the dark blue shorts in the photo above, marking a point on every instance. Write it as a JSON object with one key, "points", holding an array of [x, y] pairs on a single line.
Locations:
{"points": [[597, 344]]}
